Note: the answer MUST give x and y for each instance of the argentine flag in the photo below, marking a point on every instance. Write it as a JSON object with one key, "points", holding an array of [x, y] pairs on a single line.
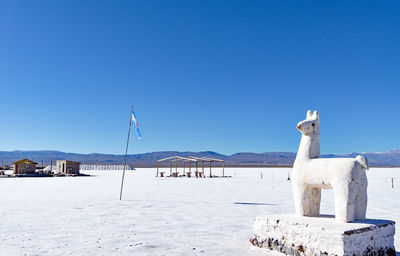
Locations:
{"points": [[136, 125]]}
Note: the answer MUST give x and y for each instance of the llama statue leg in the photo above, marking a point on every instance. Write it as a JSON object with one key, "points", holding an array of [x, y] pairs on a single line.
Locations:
{"points": [[361, 201], [344, 202], [311, 203], [299, 192], [314, 201], [307, 200]]}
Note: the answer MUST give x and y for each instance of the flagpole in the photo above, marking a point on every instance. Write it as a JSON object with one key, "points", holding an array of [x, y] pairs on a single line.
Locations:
{"points": [[126, 153]]}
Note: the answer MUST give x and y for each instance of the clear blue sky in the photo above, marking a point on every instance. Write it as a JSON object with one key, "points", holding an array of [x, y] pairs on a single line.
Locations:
{"points": [[226, 76]]}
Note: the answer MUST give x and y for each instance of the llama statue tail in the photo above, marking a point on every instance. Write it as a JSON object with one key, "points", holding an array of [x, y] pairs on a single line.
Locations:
{"points": [[363, 161]]}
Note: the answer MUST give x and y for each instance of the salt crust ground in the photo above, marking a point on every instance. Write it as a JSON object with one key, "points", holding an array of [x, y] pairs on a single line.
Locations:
{"points": [[158, 216]]}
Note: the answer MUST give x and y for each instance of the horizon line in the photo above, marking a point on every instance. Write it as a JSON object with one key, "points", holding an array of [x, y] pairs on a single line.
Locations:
{"points": [[204, 151]]}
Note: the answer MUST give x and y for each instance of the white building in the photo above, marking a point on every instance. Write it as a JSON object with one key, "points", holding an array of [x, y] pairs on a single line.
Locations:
{"points": [[67, 167]]}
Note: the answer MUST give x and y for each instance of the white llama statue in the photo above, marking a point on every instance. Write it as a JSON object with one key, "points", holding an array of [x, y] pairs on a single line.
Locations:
{"points": [[346, 176]]}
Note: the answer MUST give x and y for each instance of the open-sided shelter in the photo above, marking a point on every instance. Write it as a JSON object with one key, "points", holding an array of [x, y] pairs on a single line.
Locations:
{"points": [[174, 163], [210, 161]]}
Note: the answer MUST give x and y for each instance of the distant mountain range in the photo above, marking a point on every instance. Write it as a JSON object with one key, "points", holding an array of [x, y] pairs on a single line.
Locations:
{"points": [[382, 159]]}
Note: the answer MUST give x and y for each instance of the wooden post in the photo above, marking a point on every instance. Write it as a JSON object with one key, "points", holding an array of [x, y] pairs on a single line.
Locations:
{"points": [[170, 168], [157, 168], [223, 168], [261, 175], [202, 167], [392, 183], [176, 167], [210, 169]]}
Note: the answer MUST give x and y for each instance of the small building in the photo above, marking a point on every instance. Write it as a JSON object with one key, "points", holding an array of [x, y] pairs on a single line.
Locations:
{"points": [[67, 167], [24, 166]]}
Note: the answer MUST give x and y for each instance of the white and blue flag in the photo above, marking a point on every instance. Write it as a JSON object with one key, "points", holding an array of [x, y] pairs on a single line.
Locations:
{"points": [[136, 125]]}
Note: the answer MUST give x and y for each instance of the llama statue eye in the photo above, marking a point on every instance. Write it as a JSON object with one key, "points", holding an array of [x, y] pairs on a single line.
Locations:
{"points": [[313, 124]]}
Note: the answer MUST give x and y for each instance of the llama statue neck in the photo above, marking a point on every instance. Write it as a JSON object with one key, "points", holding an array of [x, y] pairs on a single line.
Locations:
{"points": [[310, 143]]}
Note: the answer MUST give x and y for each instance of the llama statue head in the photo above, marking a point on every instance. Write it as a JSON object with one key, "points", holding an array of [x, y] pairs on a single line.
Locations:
{"points": [[310, 142], [310, 126]]}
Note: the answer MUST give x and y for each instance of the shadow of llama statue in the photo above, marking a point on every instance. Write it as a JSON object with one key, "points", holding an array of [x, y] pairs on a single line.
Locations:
{"points": [[346, 176]]}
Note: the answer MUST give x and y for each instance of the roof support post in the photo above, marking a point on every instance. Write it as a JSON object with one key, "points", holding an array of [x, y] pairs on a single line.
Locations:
{"points": [[157, 168], [202, 167]]}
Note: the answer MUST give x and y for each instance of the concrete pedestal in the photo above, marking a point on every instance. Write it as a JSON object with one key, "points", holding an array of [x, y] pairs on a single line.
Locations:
{"points": [[296, 235]]}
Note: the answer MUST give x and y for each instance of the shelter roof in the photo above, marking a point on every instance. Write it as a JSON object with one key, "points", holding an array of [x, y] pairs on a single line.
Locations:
{"points": [[207, 159], [176, 158], [191, 158], [24, 161]]}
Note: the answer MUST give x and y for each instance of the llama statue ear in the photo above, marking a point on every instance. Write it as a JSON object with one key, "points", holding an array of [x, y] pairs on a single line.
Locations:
{"points": [[315, 115], [309, 114]]}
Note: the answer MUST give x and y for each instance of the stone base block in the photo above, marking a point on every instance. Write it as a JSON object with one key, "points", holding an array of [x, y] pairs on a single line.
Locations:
{"points": [[296, 235]]}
